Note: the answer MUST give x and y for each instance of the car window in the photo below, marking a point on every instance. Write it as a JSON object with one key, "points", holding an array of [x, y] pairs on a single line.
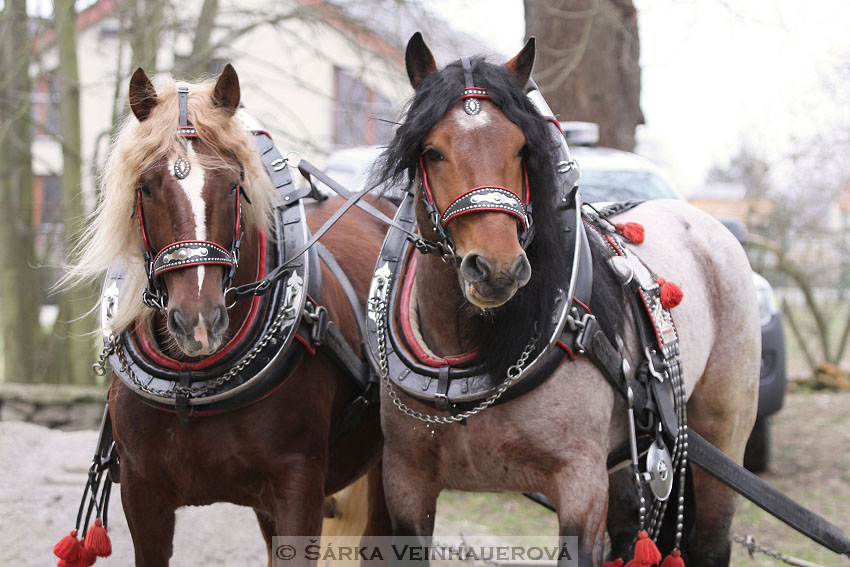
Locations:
{"points": [[623, 185]]}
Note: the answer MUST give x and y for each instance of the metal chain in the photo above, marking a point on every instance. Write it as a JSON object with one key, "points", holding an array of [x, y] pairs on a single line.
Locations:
{"points": [[513, 374], [752, 547], [99, 367], [286, 312]]}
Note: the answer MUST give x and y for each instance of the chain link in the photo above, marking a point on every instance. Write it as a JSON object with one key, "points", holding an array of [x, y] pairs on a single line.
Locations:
{"points": [[286, 313], [99, 367], [513, 373], [752, 547]]}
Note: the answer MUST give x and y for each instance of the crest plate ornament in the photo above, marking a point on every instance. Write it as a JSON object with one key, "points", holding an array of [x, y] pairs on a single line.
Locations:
{"points": [[182, 168]]}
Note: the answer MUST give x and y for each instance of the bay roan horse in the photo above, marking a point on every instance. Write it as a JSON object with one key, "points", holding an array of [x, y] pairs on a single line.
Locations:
{"points": [[272, 455], [554, 439]]}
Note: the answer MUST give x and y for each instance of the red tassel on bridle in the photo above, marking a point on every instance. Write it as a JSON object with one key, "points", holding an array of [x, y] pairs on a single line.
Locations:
{"points": [[671, 294], [674, 560], [68, 549], [646, 552], [631, 230], [97, 539], [616, 563]]}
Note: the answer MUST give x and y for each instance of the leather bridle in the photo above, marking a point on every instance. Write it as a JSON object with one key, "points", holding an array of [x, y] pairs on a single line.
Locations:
{"points": [[478, 199], [186, 253]]}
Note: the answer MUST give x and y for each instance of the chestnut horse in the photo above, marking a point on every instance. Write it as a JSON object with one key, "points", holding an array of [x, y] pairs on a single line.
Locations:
{"points": [[489, 292], [275, 454]]}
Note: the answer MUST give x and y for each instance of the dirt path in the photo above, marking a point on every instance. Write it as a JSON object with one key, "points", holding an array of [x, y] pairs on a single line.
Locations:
{"points": [[42, 473]]}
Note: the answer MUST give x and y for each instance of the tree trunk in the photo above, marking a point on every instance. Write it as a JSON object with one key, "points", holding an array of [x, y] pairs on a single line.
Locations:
{"points": [[588, 63], [19, 288], [146, 24], [74, 324], [198, 63]]}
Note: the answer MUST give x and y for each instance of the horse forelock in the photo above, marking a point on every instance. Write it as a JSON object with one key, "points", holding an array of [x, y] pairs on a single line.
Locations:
{"points": [[509, 327], [113, 233]]}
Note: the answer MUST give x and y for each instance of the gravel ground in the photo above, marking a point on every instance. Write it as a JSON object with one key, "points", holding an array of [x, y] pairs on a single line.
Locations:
{"points": [[42, 472]]}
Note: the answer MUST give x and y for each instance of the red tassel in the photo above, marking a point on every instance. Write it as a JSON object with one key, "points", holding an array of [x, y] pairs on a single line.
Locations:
{"points": [[674, 560], [68, 548], [97, 540], [616, 563], [87, 556], [646, 552], [631, 230], [671, 294], [82, 561]]}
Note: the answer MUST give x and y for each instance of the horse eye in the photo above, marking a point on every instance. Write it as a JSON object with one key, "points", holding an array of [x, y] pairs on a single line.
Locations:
{"points": [[145, 190], [523, 151], [434, 155], [233, 188]]}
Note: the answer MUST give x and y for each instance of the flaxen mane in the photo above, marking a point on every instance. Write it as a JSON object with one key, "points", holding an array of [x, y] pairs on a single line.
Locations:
{"points": [[113, 232]]}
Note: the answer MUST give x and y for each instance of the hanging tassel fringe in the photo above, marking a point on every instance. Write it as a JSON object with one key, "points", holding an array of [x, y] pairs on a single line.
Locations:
{"points": [[646, 552], [674, 560], [632, 231], [97, 540], [671, 294], [87, 557], [68, 548]]}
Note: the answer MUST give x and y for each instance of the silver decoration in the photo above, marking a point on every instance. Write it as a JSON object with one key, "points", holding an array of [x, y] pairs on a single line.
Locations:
{"points": [[182, 168], [493, 197], [185, 253], [471, 106], [659, 468]]}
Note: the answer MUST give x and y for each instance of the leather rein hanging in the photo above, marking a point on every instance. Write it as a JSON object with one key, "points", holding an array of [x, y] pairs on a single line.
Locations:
{"points": [[186, 253]]}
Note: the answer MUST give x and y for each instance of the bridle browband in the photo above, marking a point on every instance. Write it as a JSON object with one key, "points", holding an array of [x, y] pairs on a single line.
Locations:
{"points": [[478, 199], [186, 253]]}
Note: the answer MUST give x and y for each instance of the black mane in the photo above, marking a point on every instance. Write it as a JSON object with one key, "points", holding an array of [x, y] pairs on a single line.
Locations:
{"points": [[509, 327]]}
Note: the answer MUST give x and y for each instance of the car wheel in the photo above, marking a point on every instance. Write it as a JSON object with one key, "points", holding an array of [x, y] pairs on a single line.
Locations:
{"points": [[757, 454]]}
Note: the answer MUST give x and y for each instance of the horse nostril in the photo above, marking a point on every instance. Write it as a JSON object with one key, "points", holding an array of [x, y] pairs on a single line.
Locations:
{"points": [[217, 320], [475, 268], [179, 322], [521, 270]]}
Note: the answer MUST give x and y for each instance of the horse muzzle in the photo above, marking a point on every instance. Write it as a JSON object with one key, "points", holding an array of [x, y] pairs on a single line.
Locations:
{"points": [[200, 333], [491, 282]]}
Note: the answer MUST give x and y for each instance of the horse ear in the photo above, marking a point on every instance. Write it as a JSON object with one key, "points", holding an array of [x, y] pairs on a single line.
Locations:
{"points": [[520, 66], [419, 60], [142, 95], [226, 93]]}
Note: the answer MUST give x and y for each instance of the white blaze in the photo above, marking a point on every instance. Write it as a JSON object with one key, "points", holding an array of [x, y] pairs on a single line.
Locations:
{"points": [[466, 121], [193, 187]]}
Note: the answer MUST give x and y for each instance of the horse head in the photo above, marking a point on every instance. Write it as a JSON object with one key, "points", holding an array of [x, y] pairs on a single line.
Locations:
{"points": [[474, 183], [188, 207]]}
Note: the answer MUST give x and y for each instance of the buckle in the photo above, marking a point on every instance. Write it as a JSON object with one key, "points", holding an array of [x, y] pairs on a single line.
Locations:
{"points": [[318, 317], [581, 327]]}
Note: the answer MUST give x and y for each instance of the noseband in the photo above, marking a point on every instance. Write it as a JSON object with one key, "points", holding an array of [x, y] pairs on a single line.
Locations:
{"points": [[477, 199], [186, 253]]}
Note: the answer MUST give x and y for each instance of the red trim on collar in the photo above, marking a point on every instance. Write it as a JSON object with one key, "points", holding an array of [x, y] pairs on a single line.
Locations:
{"points": [[407, 328], [570, 354], [159, 358]]}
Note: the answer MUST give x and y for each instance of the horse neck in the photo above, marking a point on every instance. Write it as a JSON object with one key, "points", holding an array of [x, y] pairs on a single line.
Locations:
{"points": [[449, 326]]}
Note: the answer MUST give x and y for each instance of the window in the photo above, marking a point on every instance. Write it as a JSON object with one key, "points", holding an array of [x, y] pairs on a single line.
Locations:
{"points": [[362, 117], [45, 107]]}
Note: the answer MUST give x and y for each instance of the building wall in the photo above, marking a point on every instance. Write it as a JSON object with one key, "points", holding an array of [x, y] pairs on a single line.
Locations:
{"points": [[286, 71]]}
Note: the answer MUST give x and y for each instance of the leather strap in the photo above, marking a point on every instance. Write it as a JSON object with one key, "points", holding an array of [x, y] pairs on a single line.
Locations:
{"points": [[754, 489]]}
